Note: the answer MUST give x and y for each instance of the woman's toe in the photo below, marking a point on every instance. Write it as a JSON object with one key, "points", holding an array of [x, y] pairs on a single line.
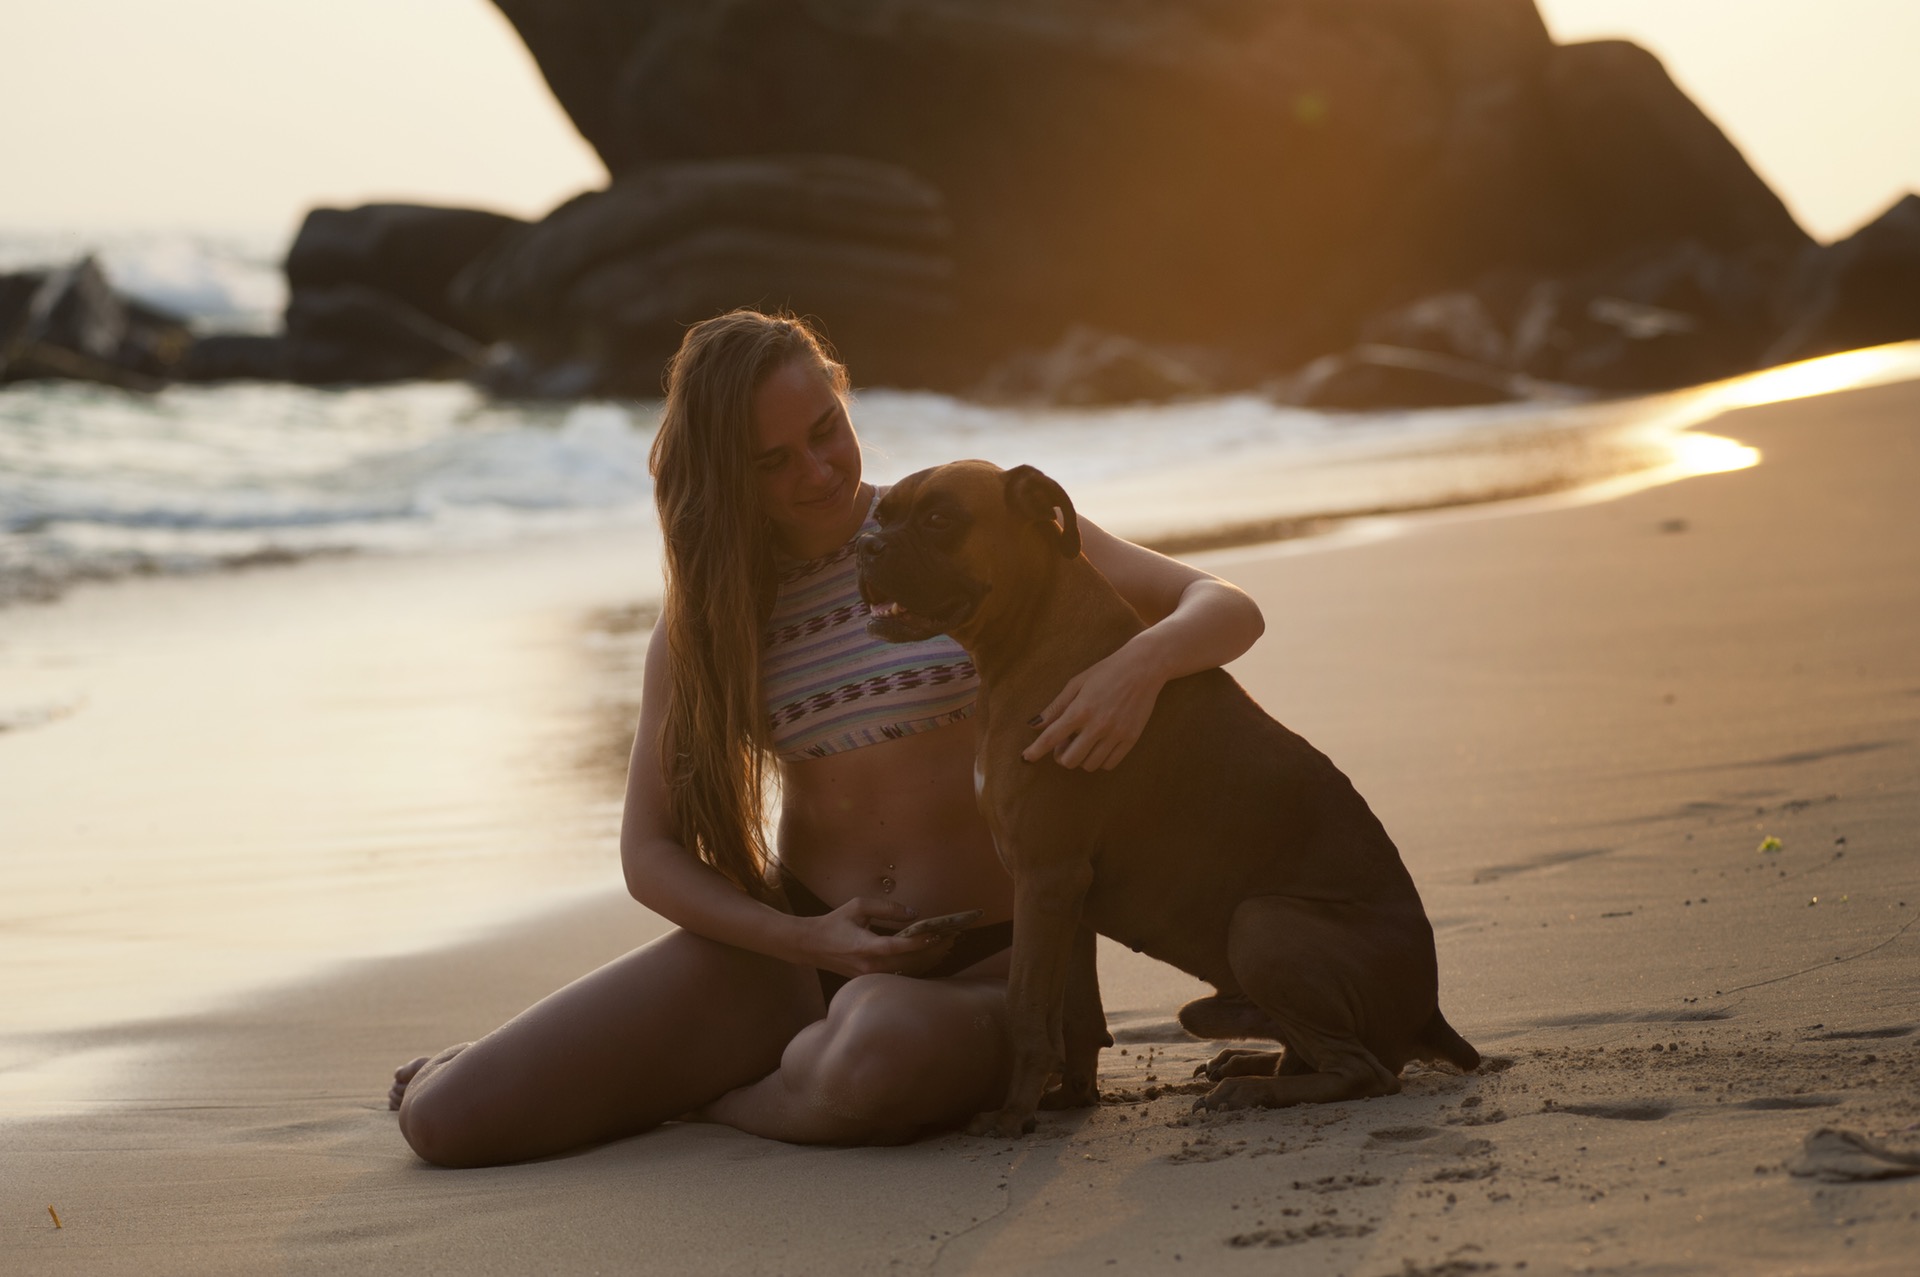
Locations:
{"points": [[401, 1077]]}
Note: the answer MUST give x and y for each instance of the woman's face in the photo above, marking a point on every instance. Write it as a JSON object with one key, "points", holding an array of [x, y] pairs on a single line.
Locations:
{"points": [[807, 459]]}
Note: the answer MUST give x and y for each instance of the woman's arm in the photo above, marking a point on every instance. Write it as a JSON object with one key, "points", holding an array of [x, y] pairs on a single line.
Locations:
{"points": [[1195, 621], [669, 879]]}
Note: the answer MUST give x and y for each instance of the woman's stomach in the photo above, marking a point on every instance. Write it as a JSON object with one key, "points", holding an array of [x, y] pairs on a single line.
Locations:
{"points": [[896, 821]]}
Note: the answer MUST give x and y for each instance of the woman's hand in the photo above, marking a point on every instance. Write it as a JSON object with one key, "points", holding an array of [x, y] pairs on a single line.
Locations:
{"points": [[1099, 714], [842, 941], [1195, 622]]}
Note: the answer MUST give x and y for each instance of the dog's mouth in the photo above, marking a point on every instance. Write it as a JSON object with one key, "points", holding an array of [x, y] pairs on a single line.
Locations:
{"points": [[892, 622]]}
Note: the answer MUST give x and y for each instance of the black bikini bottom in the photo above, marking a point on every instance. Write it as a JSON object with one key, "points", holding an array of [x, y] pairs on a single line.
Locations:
{"points": [[975, 944]]}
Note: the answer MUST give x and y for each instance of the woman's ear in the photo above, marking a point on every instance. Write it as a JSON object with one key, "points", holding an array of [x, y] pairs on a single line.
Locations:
{"points": [[1032, 495]]}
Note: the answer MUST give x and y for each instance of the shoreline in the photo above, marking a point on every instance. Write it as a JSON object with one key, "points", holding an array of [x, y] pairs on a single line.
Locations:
{"points": [[1263, 472], [1581, 727]]}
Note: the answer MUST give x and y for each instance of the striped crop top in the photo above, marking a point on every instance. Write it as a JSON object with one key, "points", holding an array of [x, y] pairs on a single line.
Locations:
{"points": [[830, 686]]}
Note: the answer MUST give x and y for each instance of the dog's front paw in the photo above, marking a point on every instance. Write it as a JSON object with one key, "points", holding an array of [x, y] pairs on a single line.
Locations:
{"points": [[1006, 1124], [1236, 1093]]}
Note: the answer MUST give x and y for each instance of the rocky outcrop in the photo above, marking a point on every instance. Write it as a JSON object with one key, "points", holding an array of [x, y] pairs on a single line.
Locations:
{"points": [[1653, 319], [1087, 369], [1648, 320], [69, 323], [350, 334], [409, 252], [1255, 177], [601, 290], [1374, 376], [1862, 291], [369, 300]]}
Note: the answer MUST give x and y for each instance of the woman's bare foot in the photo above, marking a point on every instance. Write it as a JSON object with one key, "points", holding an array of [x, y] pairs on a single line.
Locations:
{"points": [[404, 1075]]}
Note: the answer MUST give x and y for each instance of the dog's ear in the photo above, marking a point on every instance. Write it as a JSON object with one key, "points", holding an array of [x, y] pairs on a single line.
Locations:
{"points": [[1032, 495]]}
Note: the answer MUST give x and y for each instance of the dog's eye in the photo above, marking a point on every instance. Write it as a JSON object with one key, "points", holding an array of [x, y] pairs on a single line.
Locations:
{"points": [[935, 521]]}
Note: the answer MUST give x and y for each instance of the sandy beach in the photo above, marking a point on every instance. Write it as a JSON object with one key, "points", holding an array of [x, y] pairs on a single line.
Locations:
{"points": [[1654, 763]]}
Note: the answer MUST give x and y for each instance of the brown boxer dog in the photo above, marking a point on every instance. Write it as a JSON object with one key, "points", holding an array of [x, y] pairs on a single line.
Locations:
{"points": [[1224, 844]]}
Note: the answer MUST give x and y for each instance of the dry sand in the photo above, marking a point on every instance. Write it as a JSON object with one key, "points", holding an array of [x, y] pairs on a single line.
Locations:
{"points": [[1580, 723]]}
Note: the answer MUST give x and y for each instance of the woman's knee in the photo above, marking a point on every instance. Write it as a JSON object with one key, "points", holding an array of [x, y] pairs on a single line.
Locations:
{"points": [[882, 1060]]}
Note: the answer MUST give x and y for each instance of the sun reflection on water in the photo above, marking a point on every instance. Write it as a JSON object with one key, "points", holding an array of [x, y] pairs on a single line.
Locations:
{"points": [[1664, 426]]}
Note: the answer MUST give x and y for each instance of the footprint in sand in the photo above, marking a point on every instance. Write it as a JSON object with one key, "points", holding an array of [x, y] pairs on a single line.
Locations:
{"points": [[1546, 860], [1429, 1141], [1446, 1268], [1588, 1019], [1271, 1238], [1627, 1111], [1463, 1174]]}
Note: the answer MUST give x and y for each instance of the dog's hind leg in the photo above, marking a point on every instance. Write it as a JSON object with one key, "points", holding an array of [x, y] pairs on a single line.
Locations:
{"points": [[1331, 978]]}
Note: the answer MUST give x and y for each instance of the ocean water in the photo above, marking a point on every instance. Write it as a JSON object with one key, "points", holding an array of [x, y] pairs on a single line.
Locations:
{"points": [[97, 483]]}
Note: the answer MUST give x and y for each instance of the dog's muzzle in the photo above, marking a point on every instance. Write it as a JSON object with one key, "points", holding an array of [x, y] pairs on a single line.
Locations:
{"points": [[890, 590]]}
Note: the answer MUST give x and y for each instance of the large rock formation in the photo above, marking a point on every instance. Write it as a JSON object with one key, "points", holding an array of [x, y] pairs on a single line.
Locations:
{"points": [[599, 293], [411, 252], [1346, 202], [369, 299], [1254, 177]]}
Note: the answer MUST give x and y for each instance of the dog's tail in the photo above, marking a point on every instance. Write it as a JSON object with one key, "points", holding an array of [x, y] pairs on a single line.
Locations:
{"points": [[1438, 1041]]}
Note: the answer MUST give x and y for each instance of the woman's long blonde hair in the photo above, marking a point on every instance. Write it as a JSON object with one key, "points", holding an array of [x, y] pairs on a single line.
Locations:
{"points": [[715, 734]]}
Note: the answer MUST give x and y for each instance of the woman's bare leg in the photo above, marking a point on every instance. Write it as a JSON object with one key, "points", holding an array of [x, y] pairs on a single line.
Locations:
{"points": [[646, 1038], [893, 1058]]}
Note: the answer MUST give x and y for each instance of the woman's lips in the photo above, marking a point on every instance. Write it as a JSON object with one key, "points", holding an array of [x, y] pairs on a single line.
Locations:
{"points": [[827, 498]]}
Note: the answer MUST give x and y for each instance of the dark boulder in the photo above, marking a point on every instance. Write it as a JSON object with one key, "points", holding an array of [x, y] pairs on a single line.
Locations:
{"points": [[1862, 291], [411, 252], [70, 323], [1652, 319], [1088, 369], [1255, 177], [236, 357], [352, 334], [610, 279], [1380, 377], [1639, 165]]}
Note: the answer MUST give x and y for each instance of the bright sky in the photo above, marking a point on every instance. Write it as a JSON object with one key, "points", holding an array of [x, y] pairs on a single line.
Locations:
{"points": [[237, 115]]}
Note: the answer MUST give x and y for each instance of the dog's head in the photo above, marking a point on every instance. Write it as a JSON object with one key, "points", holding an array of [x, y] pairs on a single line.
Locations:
{"points": [[948, 554]]}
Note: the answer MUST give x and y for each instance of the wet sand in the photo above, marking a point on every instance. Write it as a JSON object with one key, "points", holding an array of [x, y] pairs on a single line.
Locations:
{"points": [[1583, 724]]}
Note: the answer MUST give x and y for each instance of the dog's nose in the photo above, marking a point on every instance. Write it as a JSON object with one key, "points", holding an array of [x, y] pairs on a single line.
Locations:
{"points": [[872, 546]]}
